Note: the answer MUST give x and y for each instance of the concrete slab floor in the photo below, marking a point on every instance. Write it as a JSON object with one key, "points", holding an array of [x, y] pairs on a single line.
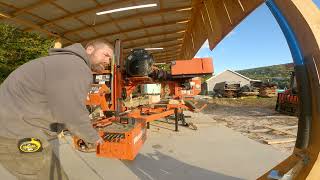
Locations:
{"points": [[211, 152]]}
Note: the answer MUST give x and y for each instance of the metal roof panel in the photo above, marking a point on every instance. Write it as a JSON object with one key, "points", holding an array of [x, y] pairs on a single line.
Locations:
{"points": [[48, 11], [73, 6], [130, 24], [19, 4], [70, 24], [106, 29]]}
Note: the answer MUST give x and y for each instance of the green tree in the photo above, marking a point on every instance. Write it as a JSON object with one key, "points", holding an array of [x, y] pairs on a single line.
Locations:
{"points": [[278, 74], [18, 47]]}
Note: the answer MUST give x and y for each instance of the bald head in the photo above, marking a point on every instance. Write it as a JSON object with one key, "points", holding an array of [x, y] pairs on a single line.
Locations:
{"points": [[100, 53], [99, 43]]}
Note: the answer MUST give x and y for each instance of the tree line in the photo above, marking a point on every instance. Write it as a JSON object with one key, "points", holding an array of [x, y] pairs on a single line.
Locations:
{"points": [[18, 47], [277, 74]]}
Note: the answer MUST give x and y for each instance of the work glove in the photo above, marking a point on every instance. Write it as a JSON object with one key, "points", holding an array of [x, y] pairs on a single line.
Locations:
{"points": [[83, 146]]}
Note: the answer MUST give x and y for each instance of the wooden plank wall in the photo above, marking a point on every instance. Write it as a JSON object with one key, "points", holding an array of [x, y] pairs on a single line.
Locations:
{"points": [[213, 20]]}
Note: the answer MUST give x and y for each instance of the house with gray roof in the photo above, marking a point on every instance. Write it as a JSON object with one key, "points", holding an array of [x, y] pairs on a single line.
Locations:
{"points": [[229, 77]]}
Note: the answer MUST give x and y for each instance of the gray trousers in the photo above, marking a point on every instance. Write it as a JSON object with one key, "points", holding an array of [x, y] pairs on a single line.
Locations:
{"points": [[42, 165]]}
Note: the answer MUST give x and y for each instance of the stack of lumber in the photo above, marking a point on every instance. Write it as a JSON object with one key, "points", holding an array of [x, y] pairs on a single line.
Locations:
{"points": [[268, 90], [231, 90], [248, 90]]}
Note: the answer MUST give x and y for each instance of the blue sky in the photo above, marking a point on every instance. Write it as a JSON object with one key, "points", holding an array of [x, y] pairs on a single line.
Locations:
{"points": [[257, 41], [317, 2]]}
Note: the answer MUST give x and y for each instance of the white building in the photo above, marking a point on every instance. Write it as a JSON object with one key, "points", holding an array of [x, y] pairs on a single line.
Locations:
{"points": [[229, 77]]}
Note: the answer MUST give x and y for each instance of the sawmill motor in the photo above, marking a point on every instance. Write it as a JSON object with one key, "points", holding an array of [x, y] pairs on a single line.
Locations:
{"points": [[138, 63]]}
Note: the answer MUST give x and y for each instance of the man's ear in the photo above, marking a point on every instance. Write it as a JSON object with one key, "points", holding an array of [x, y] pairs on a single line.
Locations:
{"points": [[89, 50]]}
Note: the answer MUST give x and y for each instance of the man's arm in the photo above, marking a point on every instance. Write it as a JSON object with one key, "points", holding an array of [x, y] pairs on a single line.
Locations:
{"points": [[67, 87]]}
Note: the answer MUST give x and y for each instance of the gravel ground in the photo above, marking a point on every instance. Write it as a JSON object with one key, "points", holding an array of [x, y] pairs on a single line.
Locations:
{"points": [[244, 115]]}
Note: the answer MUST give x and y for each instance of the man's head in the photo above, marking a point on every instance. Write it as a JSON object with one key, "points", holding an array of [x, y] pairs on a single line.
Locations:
{"points": [[100, 53]]}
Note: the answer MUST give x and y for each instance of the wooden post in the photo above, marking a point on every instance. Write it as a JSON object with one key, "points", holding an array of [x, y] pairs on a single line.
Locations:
{"points": [[148, 125], [177, 116]]}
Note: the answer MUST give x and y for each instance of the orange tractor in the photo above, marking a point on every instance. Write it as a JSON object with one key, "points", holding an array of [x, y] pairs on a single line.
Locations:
{"points": [[122, 127], [287, 101]]}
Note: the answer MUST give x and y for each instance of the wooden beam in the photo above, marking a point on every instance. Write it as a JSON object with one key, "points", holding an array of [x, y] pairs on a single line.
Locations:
{"points": [[259, 130], [168, 47], [142, 22], [174, 47], [27, 23], [159, 53], [280, 130], [153, 35], [263, 130], [161, 7], [166, 59], [32, 6], [150, 42], [154, 42], [165, 52], [164, 56], [280, 141], [67, 12], [172, 53], [167, 55], [97, 3], [131, 30], [30, 24], [165, 46], [92, 27], [140, 15]]}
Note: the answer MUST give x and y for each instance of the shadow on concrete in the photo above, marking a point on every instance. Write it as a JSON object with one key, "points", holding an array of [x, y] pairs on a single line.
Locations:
{"points": [[56, 172], [55, 166], [157, 166]]}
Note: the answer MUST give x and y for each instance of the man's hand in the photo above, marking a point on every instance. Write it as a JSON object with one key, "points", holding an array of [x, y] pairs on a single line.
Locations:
{"points": [[84, 146]]}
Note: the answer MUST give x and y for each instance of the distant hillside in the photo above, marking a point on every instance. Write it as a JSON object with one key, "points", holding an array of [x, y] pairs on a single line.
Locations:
{"points": [[279, 74]]}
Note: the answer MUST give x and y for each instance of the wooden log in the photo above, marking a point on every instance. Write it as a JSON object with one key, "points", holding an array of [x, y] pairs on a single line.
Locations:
{"points": [[288, 127], [271, 129], [280, 141], [280, 130], [259, 130]]}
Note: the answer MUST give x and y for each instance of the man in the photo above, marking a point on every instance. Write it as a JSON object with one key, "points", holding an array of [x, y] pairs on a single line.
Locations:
{"points": [[42, 94]]}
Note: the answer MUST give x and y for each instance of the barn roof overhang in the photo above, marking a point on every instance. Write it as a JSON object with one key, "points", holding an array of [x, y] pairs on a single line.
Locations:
{"points": [[179, 26]]}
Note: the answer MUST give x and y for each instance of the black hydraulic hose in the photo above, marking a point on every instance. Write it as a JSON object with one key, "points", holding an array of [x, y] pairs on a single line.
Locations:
{"points": [[305, 107]]}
